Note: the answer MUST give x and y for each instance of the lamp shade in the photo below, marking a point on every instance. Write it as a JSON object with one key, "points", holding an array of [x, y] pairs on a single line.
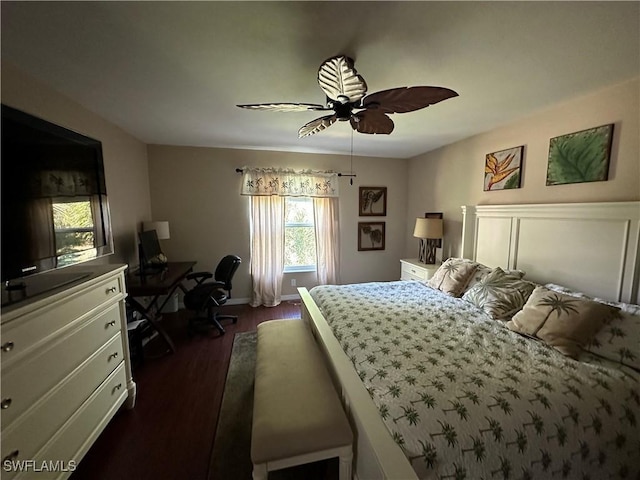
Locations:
{"points": [[161, 228], [428, 228]]}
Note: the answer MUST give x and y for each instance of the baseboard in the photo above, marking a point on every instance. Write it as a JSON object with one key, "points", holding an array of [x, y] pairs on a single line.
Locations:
{"points": [[238, 301], [246, 300], [293, 296]]}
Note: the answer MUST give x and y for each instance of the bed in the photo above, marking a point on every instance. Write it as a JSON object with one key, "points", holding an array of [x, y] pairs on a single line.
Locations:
{"points": [[435, 387]]}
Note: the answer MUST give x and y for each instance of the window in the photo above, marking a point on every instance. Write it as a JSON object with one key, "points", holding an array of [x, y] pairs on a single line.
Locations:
{"points": [[74, 229], [299, 235]]}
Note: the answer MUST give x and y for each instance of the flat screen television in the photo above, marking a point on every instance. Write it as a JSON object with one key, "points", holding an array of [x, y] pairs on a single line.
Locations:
{"points": [[55, 211]]}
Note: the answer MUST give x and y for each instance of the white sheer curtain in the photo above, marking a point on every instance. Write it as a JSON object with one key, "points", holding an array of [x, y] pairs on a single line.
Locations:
{"points": [[267, 249], [327, 223], [268, 187]]}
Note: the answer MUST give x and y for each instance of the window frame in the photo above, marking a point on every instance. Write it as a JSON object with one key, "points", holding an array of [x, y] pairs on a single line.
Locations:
{"points": [[299, 268]]}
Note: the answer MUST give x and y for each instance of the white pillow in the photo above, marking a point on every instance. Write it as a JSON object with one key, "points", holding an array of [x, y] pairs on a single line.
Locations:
{"points": [[619, 339]]}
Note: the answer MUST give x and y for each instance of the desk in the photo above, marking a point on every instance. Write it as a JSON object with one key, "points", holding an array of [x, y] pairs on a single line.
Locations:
{"points": [[154, 284]]}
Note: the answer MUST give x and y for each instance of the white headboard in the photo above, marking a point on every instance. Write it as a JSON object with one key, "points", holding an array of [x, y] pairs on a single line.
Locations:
{"points": [[590, 247]]}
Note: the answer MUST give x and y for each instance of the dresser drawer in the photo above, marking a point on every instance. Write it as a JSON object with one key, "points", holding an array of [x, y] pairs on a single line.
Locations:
{"points": [[76, 436], [23, 383], [411, 276], [28, 433], [410, 272], [31, 330]]}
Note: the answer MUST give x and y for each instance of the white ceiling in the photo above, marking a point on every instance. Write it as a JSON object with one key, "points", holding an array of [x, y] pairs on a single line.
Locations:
{"points": [[172, 72]]}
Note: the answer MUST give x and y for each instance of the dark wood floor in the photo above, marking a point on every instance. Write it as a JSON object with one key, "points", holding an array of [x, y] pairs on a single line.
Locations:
{"points": [[170, 432]]}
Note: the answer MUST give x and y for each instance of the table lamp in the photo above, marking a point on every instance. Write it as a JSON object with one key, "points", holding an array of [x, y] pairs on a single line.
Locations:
{"points": [[429, 231], [161, 228]]}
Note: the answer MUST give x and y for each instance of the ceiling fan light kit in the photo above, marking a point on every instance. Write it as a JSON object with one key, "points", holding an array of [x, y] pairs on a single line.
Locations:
{"points": [[346, 89]]}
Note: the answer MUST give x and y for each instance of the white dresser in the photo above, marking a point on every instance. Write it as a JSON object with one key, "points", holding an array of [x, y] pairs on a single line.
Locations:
{"points": [[65, 371], [412, 269]]}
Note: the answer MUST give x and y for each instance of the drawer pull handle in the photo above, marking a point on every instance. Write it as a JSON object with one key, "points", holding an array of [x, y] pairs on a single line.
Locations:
{"points": [[112, 323], [111, 290], [6, 403], [112, 356], [117, 387], [7, 347], [11, 457]]}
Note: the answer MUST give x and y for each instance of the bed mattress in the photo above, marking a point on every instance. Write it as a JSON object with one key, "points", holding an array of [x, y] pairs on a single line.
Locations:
{"points": [[465, 397]]}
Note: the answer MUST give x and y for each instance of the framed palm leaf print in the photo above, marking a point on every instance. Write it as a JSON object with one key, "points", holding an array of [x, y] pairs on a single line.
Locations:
{"points": [[370, 236], [580, 157], [373, 201]]}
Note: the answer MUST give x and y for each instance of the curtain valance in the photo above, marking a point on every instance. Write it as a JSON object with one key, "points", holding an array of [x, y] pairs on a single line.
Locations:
{"points": [[285, 182]]}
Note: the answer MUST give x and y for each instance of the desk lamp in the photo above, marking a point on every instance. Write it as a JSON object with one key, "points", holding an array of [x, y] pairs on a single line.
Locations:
{"points": [[162, 233]]}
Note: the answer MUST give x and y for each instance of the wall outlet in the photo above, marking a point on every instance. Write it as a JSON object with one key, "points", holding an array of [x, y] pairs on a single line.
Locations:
{"points": [[293, 282]]}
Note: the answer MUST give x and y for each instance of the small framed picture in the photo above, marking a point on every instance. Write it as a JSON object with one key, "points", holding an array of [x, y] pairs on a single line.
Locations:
{"points": [[435, 215], [370, 236], [502, 169], [373, 202]]}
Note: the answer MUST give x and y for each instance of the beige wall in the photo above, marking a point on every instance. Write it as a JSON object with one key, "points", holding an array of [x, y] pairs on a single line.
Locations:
{"points": [[452, 176], [197, 191], [125, 157]]}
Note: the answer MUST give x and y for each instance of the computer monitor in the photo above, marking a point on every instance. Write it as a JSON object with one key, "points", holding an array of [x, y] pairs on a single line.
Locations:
{"points": [[150, 251]]}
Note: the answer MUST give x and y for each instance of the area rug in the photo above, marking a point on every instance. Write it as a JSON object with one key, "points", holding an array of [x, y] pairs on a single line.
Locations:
{"points": [[231, 455]]}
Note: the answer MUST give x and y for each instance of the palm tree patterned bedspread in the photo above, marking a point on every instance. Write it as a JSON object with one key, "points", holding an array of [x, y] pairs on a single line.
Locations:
{"points": [[465, 397]]}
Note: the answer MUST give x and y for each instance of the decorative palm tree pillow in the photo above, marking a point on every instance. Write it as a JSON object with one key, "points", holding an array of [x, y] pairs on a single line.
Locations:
{"points": [[482, 271], [564, 322], [453, 276], [499, 293], [618, 340]]}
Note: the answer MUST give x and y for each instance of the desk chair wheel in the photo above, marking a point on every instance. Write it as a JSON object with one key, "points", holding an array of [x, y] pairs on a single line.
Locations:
{"points": [[206, 324]]}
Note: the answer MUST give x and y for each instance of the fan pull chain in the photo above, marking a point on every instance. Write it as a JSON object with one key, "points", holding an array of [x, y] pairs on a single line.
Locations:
{"points": [[351, 161], [351, 166]]}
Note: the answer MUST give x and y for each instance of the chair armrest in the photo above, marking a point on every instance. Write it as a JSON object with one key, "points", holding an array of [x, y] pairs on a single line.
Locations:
{"points": [[199, 277], [208, 286], [214, 284]]}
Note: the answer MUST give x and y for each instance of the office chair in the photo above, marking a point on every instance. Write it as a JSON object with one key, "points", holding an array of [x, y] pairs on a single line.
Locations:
{"points": [[206, 296]]}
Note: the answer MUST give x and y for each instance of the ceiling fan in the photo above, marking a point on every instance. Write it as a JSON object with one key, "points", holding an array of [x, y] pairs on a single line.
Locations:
{"points": [[346, 89]]}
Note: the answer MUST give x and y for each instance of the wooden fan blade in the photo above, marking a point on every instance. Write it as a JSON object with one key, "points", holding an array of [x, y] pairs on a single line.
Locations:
{"points": [[284, 107], [339, 80], [371, 121], [406, 99], [317, 125]]}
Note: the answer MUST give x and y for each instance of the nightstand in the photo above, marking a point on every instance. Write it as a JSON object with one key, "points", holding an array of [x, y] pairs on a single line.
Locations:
{"points": [[412, 269]]}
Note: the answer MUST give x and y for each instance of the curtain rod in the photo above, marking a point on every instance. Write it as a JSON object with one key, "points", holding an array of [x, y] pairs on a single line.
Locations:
{"points": [[240, 170]]}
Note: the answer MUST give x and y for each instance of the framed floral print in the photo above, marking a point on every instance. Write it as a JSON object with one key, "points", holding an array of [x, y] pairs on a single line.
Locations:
{"points": [[370, 236], [502, 169], [373, 202]]}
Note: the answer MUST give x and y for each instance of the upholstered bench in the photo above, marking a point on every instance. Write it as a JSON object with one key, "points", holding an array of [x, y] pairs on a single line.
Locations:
{"points": [[297, 415]]}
